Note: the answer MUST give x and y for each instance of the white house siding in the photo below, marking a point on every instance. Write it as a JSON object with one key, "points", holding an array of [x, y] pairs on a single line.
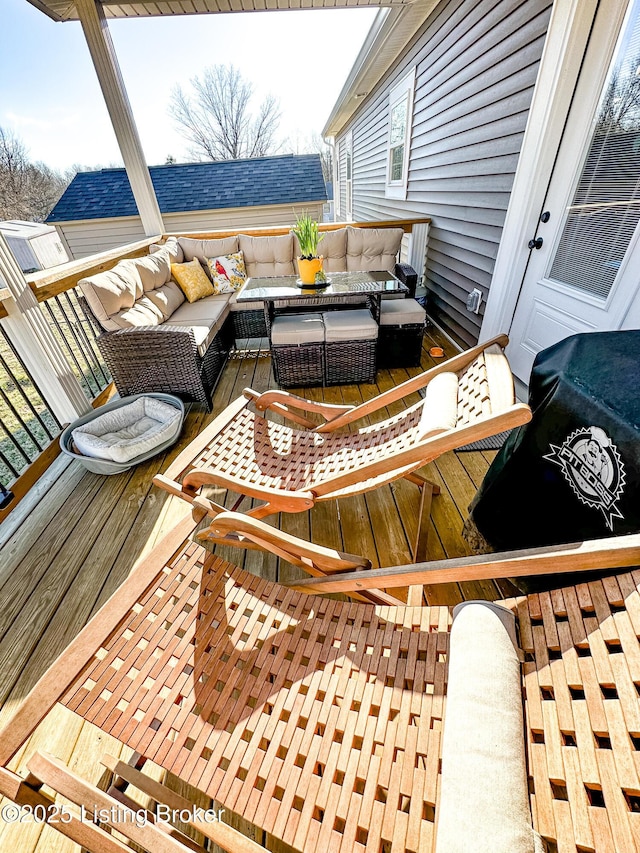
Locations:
{"points": [[90, 236], [476, 66]]}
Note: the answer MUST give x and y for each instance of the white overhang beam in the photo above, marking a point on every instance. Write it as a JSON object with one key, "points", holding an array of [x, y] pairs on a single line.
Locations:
{"points": [[98, 37]]}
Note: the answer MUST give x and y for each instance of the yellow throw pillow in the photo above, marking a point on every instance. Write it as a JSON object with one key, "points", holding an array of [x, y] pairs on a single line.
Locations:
{"points": [[192, 279]]}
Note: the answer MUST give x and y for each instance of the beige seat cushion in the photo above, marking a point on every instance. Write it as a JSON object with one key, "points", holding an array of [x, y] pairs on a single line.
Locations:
{"points": [[332, 247], [267, 256], [401, 312], [357, 325], [254, 305], [484, 799], [205, 317], [152, 270], [292, 329], [440, 407], [372, 248]]}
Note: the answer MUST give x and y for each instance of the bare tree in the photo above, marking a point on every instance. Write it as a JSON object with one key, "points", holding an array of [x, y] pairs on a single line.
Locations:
{"points": [[217, 119], [27, 190], [620, 108]]}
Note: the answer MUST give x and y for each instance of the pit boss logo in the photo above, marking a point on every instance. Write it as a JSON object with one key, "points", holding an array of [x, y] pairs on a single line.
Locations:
{"points": [[593, 468]]}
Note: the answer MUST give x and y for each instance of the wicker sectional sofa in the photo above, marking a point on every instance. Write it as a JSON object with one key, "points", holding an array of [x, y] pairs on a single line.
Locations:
{"points": [[152, 339]]}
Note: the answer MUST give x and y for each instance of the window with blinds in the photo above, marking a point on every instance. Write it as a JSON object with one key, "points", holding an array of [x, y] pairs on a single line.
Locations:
{"points": [[605, 209]]}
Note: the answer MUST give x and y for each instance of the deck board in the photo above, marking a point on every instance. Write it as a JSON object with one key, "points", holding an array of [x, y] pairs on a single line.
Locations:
{"points": [[76, 538]]}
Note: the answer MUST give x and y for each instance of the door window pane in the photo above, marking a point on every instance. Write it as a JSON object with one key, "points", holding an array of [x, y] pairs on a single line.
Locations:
{"points": [[605, 208]]}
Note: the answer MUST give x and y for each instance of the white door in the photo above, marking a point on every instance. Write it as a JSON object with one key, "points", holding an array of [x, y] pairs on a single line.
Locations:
{"points": [[582, 273]]}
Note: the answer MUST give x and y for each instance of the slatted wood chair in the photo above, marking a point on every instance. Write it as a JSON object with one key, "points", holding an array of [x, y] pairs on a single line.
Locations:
{"points": [[290, 468], [320, 721]]}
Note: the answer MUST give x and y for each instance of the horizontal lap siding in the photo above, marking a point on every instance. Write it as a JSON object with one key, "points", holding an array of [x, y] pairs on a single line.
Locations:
{"points": [[476, 66], [99, 235]]}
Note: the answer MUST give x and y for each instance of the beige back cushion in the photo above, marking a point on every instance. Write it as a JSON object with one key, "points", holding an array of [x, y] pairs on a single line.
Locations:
{"points": [[332, 247], [203, 249], [108, 293], [267, 256], [152, 270], [136, 292], [440, 407], [171, 247], [372, 248]]}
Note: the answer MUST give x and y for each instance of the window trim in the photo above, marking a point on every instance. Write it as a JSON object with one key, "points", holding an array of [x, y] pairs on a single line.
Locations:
{"points": [[348, 180], [404, 89]]}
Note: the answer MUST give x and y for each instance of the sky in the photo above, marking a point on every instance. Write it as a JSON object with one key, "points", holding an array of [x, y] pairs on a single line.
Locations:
{"points": [[50, 97]]}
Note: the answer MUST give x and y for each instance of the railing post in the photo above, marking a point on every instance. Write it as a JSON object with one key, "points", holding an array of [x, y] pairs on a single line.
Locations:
{"points": [[418, 248], [29, 332]]}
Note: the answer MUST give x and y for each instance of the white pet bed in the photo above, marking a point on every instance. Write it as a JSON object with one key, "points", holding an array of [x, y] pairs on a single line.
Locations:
{"points": [[124, 432]]}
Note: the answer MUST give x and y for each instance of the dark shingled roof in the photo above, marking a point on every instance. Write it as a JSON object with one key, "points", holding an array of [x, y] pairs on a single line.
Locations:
{"points": [[286, 179]]}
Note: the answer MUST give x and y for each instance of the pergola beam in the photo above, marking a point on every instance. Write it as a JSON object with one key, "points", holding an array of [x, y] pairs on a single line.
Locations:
{"points": [[98, 37]]}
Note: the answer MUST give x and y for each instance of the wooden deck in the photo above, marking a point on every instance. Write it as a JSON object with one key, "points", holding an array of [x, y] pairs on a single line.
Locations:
{"points": [[69, 545]]}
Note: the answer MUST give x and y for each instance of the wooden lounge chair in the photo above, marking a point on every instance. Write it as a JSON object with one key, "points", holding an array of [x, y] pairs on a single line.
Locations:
{"points": [[321, 721], [289, 468]]}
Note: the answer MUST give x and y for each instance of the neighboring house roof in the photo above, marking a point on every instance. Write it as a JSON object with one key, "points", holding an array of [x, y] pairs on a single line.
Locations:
{"points": [[284, 179], [22, 228]]}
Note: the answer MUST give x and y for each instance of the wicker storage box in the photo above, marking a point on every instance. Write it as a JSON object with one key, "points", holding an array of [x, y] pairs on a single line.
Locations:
{"points": [[350, 347], [402, 324], [297, 350]]}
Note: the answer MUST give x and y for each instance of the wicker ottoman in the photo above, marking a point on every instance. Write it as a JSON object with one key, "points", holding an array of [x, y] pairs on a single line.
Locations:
{"points": [[297, 349], [350, 346], [402, 324]]}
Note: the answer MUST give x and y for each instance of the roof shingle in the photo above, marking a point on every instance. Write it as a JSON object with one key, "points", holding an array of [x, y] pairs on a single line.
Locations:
{"points": [[283, 179]]}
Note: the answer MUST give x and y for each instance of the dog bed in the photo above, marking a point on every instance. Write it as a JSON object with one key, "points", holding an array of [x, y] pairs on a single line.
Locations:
{"points": [[124, 432]]}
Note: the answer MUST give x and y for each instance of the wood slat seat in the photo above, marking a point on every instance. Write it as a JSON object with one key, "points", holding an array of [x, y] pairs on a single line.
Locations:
{"points": [[290, 468], [320, 720]]}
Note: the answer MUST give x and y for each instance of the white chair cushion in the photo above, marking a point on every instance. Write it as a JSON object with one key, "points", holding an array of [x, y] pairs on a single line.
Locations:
{"points": [[440, 407], [129, 431], [291, 329], [401, 312], [356, 325]]}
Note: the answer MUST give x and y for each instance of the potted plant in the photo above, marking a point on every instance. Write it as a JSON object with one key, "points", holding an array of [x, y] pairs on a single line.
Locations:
{"points": [[309, 262]]}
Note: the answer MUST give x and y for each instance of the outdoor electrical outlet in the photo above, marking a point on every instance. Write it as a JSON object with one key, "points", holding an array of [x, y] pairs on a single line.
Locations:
{"points": [[474, 300]]}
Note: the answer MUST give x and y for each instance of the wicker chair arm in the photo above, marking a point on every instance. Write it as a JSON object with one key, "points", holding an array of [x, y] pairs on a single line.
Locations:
{"points": [[408, 276], [164, 331]]}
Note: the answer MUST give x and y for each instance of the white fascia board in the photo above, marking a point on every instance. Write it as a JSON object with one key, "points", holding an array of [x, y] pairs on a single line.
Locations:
{"points": [[377, 55]]}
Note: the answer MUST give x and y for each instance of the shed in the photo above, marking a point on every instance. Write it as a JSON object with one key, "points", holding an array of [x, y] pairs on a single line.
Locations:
{"points": [[97, 211], [35, 246]]}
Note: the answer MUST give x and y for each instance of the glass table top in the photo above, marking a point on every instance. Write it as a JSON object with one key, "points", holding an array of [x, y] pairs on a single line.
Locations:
{"points": [[338, 284]]}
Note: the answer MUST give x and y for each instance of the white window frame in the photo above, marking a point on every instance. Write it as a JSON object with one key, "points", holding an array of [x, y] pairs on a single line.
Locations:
{"points": [[402, 91], [348, 181]]}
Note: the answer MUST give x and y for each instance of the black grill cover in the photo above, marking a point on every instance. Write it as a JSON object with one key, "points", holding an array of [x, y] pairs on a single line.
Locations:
{"points": [[573, 472]]}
